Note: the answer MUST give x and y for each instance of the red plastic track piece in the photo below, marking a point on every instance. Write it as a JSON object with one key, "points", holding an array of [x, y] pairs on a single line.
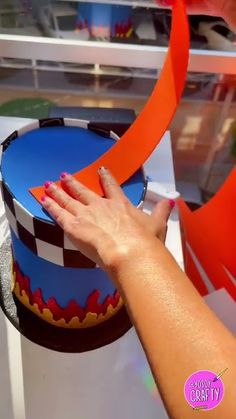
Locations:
{"points": [[137, 144]]}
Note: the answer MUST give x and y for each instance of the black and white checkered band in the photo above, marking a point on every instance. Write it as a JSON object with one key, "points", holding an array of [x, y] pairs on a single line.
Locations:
{"points": [[58, 122], [45, 239]]}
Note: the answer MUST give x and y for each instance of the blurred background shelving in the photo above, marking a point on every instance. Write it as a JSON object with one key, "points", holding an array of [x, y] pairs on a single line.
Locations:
{"points": [[109, 54]]}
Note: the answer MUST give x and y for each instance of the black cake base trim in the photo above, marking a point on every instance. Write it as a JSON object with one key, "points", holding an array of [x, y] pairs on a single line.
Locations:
{"points": [[49, 336]]}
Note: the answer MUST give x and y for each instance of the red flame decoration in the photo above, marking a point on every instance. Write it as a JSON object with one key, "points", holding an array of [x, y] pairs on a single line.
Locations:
{"points": [[122, 29], [73, 309]]}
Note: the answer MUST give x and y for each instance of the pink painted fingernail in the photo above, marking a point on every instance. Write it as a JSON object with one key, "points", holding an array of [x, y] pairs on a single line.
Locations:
{"points": [[171, 203], [43, 198], [64, 174], [47, 184]]}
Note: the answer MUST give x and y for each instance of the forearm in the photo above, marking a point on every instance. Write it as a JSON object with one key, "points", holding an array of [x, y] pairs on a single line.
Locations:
{"points": [[179, 332]]}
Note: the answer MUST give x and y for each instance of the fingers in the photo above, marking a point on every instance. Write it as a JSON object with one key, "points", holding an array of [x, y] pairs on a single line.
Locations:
{"points": [[59, 214], [163, 209], [64, 200], [76, 190], [110, 185]]}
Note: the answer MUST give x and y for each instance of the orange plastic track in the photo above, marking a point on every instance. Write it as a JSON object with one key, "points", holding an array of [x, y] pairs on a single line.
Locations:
{"points": [[211, 232], [137, 144]]}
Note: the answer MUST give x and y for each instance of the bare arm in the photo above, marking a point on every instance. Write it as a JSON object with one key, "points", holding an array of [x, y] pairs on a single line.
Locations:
{"points": [[178, 331]]}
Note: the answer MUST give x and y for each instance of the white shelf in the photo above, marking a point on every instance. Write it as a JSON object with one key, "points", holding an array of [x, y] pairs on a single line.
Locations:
{"points": [[133, 3], [112, 54]]}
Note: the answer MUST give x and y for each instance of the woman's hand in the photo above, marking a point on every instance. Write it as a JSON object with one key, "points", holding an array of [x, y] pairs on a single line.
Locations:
{"points": [[223, 8], [108, 229]]}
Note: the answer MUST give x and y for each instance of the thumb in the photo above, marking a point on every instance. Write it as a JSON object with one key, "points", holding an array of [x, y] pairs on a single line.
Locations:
{"points": [[160, 216]]}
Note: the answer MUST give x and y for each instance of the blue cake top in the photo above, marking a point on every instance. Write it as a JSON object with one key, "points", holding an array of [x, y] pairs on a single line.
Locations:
{"points": [[44, 153]]}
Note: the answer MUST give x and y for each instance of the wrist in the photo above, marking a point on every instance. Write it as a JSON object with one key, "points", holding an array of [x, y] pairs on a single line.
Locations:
{"points": [[126, 260]]}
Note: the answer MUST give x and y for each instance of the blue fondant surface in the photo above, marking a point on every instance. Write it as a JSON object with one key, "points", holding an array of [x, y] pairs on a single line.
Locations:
{"points": [[42, 154], [64, 284]]}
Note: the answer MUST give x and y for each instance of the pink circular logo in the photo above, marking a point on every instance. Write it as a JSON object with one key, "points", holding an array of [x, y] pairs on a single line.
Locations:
{"points": [[204, 390]]}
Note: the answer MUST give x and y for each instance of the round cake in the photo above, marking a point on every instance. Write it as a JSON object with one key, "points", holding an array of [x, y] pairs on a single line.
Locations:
{"points": [[50, 276]]}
